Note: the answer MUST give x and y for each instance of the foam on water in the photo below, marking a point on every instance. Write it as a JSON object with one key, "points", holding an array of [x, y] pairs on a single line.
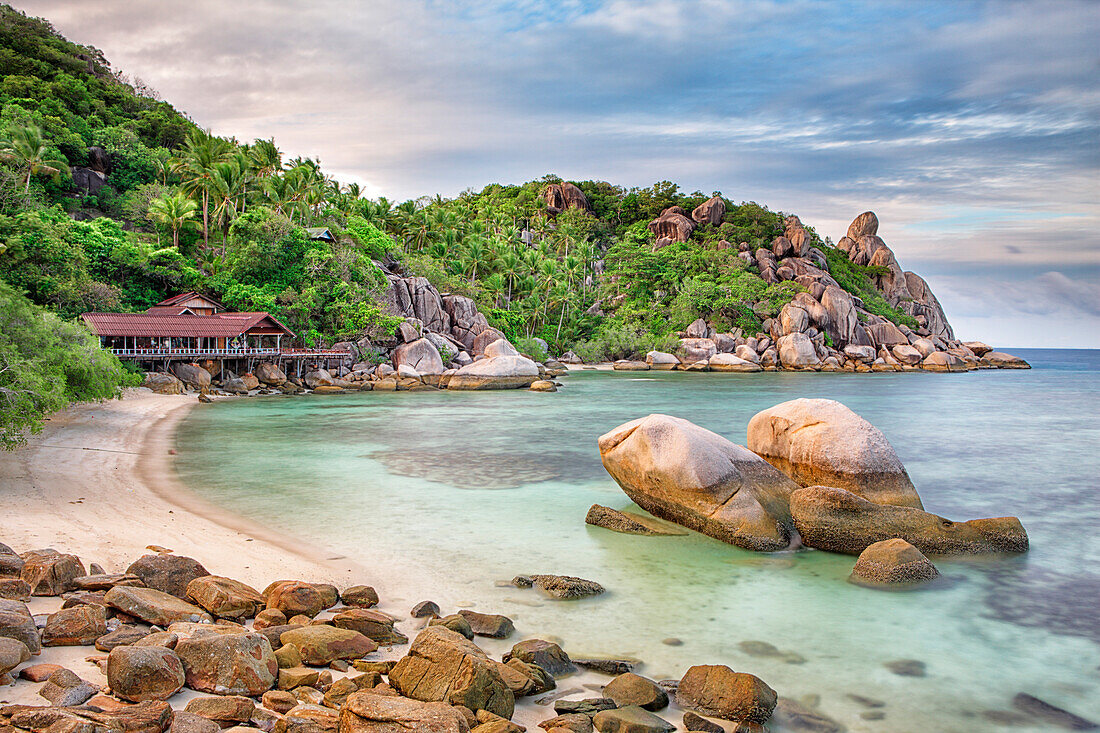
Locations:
{"points": [[469, 488]]}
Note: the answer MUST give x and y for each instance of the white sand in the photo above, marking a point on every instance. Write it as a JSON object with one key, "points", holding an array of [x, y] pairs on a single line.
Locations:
{"points": [[98, 482]]}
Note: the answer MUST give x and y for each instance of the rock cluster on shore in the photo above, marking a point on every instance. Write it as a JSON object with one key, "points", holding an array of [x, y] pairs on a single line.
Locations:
{"points": [[814, 474], [416, 366], [299, 657]]}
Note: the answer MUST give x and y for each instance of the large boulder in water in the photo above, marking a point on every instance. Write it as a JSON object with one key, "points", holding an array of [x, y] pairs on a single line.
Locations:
{"points": [[444, 666], [893, 562], [496, 372], [686, 474], [1001, 360], [837, 520], [822, 442]]}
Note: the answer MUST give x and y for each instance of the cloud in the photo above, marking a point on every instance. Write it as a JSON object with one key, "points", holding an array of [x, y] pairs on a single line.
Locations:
{"points": [[970, 128]]}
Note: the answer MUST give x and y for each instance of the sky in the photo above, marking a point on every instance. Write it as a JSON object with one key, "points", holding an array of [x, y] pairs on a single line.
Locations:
{"points": [[971, 128]]}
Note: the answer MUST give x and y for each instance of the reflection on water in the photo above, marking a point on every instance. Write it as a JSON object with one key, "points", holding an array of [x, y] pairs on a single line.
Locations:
{"points": [[385, 477]]}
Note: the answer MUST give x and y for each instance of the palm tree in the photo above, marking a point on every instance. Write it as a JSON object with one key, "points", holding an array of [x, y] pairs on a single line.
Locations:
{"points": [[176, 212], [511, 267], [25, 147], [473, 256], [267, 159], [227, 186], [195, 164]]}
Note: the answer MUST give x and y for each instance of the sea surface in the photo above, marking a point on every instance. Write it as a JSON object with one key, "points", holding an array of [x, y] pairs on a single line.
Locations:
{"points": [[465, 489]]}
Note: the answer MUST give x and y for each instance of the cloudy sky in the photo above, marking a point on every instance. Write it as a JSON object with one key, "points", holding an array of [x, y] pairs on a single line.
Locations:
{"points": [[971, 128]]}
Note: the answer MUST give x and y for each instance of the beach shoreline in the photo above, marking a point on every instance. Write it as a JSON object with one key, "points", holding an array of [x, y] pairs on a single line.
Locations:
{"points": [[99, 482]]}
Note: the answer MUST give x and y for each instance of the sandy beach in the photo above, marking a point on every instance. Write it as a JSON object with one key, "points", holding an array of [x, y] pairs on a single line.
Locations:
{"points": [[98, 482]]}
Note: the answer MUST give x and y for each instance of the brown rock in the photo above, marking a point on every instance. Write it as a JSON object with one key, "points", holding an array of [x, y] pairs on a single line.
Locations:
{"points": [[294, 597], [104, 581], [836, 520], [320, 645], [50, 573], [144, 673], [562, 196], [455, 623], [279, 700], [674, 224], [368, 712], [79, 626], [710, 211], [14, 589], [153, 606], [225, 597], [269, 617], [893, 562], [167, 573], [124, 635], [12, 653], [864, 225], [374, 625], [39, 672], [1001, 360], [719, 692], [822, 442], [184, 722], [491, 625], [443, 666], [631, 719], [627, 522], [360, 596], [683, 473], [572, 722], [308, 718], [632, 689], [228, 664], [696, 722], [223, 708], [16, 623]]}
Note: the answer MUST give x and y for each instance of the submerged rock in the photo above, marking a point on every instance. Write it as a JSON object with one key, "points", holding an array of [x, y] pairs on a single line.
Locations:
{"points": [[631, 719], [566, 587], [1048, 713], [836, 520], [627, 522], [823, 443], [686, 474]]}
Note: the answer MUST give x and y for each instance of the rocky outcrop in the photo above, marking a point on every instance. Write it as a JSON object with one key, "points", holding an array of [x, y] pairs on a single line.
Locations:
{"points": [[674, 224], [893, 562], [822, 442], [836, 520], [710, 211], [562, 196], [683, 473]]}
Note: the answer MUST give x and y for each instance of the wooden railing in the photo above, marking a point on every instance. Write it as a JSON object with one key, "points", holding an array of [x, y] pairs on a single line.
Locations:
{"points": [[184, 353]]}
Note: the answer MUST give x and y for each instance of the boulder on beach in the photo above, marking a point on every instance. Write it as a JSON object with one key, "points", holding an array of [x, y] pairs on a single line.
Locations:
{"points": [[17, 623], [686, 474], [661, 360], [193, 376], [370, 712], [630, 719], [240, 663], [137, 673], [162, 383], [837, 520], [225, 597], [546, 654], [633, 689], [630, 365], [822, 442], [731, 363], [167, 573], [50, 573], [719, 692], [941, 361], [796, 351], [76, 626], [443, 666], [893, 562], [294, 597], [152, 606], [492, 625], [691, 350], [421, 355], [268, 373], [12, 653], [322, 644], [627, 522]]}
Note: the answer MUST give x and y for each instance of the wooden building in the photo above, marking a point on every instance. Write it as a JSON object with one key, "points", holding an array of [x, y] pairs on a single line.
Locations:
{"points": [[193, 327]]}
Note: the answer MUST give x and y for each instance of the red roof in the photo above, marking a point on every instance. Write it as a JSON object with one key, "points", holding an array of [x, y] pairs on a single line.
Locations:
{"points": [[219, 325], [183, 297]]}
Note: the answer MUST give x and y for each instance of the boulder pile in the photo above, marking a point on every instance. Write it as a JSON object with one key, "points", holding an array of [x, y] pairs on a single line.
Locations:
{"points": [[814, 474], [304, 657]]}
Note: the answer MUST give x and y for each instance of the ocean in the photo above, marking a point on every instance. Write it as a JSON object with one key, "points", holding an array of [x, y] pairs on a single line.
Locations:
{"points": [[467, 489]]}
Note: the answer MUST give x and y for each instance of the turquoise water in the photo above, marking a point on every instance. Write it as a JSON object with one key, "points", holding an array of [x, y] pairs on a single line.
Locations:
{"points": [[466, 489]]}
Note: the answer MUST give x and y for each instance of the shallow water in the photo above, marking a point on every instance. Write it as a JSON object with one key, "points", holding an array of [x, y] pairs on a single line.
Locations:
{"points": [[469, 488]]}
